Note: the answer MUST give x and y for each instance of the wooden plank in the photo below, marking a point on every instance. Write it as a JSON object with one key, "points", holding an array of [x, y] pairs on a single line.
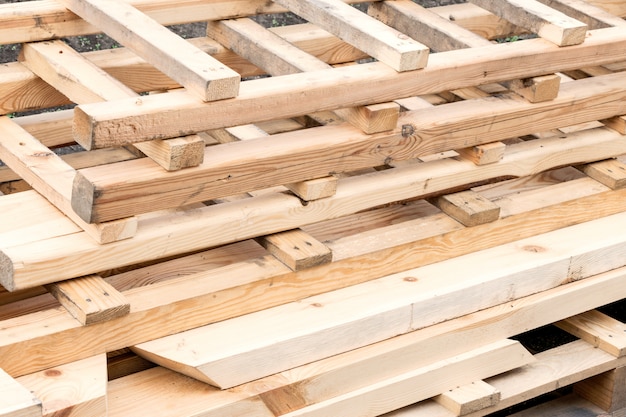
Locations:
{"points": [[345, 319], [536, 89], [469, 208], [193, 297], [605, 390], [428, 131], [90, 299], [314, 189], [611, 173], [83, 82], [16, 400], [599, 330], [546, 22], [413, 386], [591, 14], [369, 35], [484, 154], [53, 179], [77, 389], [198, 72], [296, 249], [215, 225], [469, 398]]}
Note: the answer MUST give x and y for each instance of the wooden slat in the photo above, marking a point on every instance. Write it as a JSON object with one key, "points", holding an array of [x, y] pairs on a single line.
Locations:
{"points": [[381, 42], [469, 208], [53, 179], [546, 22], [484, 154], [469, 398], [605, 390], [356, 316], [429, 131], [585, 11], [536, 89], [194, 298], [76, 389], [297, 249], [198, 72], [16, 400], [90, 299], [599, 330], [215, 225]]}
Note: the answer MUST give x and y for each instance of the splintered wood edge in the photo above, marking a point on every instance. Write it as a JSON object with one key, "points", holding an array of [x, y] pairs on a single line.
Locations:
{"points": [[7, 272]]}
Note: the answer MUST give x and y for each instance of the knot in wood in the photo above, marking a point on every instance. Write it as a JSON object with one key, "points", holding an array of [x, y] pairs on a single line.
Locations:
{"points": [[407, 130]]}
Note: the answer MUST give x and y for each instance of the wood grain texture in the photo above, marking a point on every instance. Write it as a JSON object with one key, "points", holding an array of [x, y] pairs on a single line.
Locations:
{"points": [[611, 173], [296, 249], [192, 297], [16, 400], [599, 330], [77, 389], [469, 398], [190, 230]]}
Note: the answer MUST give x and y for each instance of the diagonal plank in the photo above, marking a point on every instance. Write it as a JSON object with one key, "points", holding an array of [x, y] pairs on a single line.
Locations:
{"points": [[83, 82], [367, 34], [585, 11], [197, 71], [74, 389], [546, 22], [101, 194], [52, 177]]}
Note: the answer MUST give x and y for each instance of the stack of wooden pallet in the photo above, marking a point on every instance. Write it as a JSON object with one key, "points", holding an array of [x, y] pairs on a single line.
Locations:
{"points": [[355, 216]]}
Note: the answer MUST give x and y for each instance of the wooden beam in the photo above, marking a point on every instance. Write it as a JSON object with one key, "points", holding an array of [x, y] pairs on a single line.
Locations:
{"points": [[546, 22], [90, 299], [536, 89], [298, 94], [215, 225], [591, 14], [367, 34], [16, 400], [297, 249], [52, 177], [428, 131], [605, 390], [74, 389], [599, 330], [488, 153], [198, 72], [469, 398]]}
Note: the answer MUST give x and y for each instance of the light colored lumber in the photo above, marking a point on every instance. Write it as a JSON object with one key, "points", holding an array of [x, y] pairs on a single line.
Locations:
{"points": [[84, 82], [348, 318], [367, 34], [16, 400], [429, 131], [193, 297], [469, 208], [605, 390], [585, 11], [611, 172], [90, 299], [546, 22], [266, 214], [484, 154], [277, 56], [314, 189], [419, 384], [298, 94], [198, 72], [469, 398], [77, 389], [296, 249], [599, 330], [52, 177]]}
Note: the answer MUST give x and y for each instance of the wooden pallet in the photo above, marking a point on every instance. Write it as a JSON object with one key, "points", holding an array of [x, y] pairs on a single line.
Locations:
{"points": [[312, 220]]}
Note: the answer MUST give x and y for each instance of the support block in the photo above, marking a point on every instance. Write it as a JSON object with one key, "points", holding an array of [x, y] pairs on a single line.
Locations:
{"points": [[469, 398], [610, 172], [469, 208], [296, 249], [536, 89], [90, 299], [599, 330], [484, 154], [605, 390]]}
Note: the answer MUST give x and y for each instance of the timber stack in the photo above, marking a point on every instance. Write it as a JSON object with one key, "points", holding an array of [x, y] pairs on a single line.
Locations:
{"points": [[366, 214]]}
